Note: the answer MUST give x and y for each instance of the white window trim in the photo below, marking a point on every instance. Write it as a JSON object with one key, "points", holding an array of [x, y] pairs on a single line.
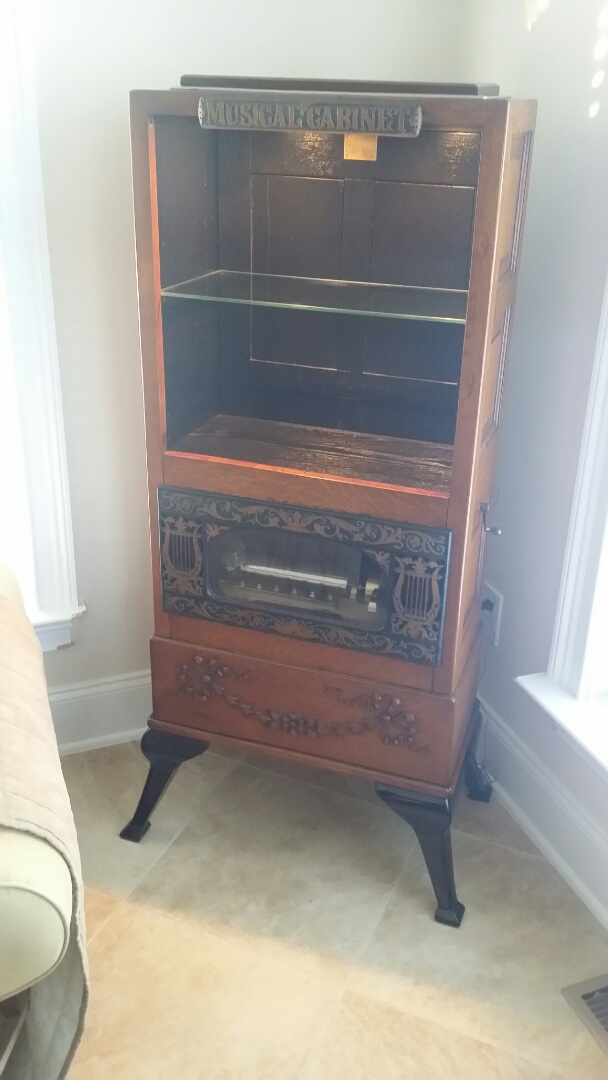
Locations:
{"points": [[569, 662], [568, 691], [43, 440], [51, 595], [583, 723]]}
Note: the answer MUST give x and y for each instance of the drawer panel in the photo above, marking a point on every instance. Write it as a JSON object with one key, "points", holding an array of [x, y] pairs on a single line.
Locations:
{"points": [[343, 721]]}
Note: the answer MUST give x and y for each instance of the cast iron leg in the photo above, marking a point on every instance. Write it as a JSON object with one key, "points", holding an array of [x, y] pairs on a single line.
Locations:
{"points": [[430, 818], [475, 782], [165, 753]]}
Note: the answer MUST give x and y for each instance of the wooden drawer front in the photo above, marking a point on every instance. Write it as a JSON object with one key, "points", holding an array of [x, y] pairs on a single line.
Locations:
{"points": [[314, 713]]}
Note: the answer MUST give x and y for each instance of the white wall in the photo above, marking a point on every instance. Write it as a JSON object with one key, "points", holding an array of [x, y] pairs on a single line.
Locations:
{"points": [[563, 271], [91, 55]]}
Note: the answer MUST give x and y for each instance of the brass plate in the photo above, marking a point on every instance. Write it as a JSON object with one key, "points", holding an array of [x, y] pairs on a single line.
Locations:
{"points": [[360, 147]]}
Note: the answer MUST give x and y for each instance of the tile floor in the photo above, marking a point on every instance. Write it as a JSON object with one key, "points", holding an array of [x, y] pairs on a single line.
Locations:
{"points": [[276, 923]]}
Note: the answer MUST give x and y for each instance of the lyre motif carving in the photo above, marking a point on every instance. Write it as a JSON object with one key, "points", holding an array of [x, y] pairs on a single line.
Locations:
{"points": [[204, 677], [417, 597], [182, 555]]}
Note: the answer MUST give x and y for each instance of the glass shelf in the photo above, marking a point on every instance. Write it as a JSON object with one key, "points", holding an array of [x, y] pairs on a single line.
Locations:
{"points": [[323, 294]]}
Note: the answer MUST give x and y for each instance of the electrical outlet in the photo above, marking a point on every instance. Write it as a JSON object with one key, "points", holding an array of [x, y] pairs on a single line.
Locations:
{"points": [[491, 612]]}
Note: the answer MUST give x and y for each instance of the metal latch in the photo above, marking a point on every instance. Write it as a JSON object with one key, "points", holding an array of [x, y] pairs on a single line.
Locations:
{"points": [[485, 510]]}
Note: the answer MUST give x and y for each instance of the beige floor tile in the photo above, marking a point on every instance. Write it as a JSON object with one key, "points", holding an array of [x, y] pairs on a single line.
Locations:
{"points": [[172, 1003], [104, 787], [352, 786], [490, 821], [365, 1040], [226, 752], [261, 893], [98, 908], [294, 869], [498, 978]]}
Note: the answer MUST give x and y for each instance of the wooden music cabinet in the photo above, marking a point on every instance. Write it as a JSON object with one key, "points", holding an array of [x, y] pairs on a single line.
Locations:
{"points": [[326, 274]]}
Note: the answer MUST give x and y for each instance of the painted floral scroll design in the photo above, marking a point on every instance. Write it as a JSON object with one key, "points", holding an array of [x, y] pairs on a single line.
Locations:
{"points": [[205, 678], [414, 557], [357, 530]]}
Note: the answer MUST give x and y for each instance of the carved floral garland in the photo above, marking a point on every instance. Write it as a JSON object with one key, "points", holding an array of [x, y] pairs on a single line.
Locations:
{"points": [[201, 677]]}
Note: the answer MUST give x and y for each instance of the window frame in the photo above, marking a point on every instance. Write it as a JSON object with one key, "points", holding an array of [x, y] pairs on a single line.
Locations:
{"points": [[46, 573], [578, 618], [573, 691]]}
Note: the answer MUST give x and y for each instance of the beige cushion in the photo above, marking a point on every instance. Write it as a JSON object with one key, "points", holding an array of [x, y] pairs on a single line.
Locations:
{"points": [[35, 910], [35, 892]]}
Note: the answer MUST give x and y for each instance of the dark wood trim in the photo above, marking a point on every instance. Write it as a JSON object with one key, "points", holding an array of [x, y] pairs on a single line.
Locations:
{"points": [[341, 85], [443, 113], [431, 820], [165, 752], [148, 276]]}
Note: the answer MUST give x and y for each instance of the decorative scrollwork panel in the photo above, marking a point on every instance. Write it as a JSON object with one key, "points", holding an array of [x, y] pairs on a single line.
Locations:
{"points": [[373, 586]]}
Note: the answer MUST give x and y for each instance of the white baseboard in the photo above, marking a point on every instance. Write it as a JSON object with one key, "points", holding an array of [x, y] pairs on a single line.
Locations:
{"points": [[101, 712], [555, 820]]}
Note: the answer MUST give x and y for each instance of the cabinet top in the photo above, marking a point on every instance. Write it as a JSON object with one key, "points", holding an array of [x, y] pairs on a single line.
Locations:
{"points": [[353, 86]]}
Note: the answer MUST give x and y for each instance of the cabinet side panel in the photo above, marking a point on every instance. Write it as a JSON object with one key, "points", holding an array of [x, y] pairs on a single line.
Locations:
{"points": [[148, 279], [492, 301], [513, 200]]}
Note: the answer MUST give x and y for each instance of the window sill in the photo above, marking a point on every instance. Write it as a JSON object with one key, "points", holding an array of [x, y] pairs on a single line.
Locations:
{"points": [[585, 723], [55, 633]]}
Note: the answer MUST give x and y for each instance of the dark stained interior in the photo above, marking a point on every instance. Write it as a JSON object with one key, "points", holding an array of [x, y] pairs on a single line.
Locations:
{"points": [[272, 350]]}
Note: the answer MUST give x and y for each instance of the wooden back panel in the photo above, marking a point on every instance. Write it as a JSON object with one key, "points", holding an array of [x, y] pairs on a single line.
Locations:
{"points": [[298, 208]]}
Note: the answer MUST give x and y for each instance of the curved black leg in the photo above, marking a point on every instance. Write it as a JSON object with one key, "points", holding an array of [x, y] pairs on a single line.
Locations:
{"points": [[475, 781], [430, 818], [165, 753]]}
